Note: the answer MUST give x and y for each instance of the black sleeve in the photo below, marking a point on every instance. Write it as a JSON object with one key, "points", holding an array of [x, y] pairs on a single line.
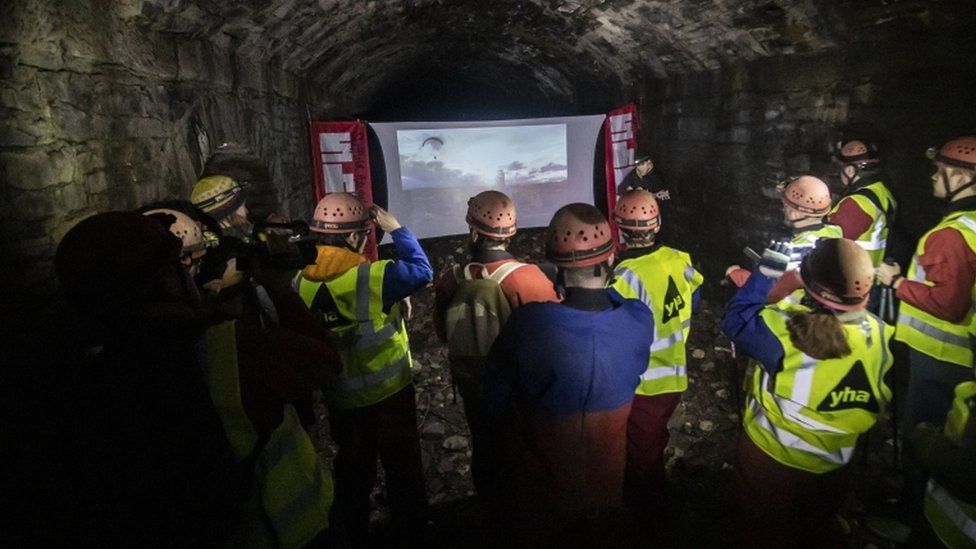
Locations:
{"points": [[629, 181]]}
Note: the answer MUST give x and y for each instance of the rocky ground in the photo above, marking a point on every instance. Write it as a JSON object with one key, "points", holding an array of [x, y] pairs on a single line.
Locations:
{"points": [[703, 432]]}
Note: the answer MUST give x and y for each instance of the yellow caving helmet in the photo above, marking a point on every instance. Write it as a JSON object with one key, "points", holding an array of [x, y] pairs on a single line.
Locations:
{"points": [[217, 195]]}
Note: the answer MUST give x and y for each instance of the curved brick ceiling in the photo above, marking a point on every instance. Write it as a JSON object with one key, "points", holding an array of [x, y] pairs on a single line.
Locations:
{"points": [[361, 47]]}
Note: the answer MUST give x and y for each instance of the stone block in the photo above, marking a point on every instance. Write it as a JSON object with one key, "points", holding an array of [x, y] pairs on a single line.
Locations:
{"points": [[43, 55], [696, 128], [11, 136], [740, 134], [32, 247], [863, 95], [96, 182], [36, 168], [24, 96], [190, 58], [147, 127], [53, 85], [80, 125], [31, 206], [71, 198], [90, 159], [798, 164]]}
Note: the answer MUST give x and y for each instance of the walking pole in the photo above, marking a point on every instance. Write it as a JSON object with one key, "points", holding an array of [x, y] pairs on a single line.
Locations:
{"points": [[887, 311]]}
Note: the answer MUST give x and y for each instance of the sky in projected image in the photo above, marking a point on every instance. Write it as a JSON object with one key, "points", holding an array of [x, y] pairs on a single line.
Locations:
{"points": [[482, 157]]}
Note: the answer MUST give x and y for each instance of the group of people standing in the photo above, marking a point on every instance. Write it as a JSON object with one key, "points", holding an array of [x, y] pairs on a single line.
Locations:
{"points": [[210, 349], [821, 356]]}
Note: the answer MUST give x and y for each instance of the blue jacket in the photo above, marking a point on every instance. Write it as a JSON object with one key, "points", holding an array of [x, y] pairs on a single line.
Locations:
{"points": [[747, 329], [555, 360], [411, 272]]}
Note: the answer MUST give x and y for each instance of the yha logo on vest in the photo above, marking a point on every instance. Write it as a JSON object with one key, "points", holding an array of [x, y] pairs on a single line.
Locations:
{"points": [[854, 391], [673, 301]]}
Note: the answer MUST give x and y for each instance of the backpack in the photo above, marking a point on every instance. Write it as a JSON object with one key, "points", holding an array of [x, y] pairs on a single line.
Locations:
{"points": [[477, 311]]}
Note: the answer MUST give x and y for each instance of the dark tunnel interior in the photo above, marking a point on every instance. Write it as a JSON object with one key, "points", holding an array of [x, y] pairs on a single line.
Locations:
{"points": [[115, 105]]}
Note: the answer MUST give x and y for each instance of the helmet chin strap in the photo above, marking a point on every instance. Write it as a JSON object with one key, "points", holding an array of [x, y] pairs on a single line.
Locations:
{"points": [[950, 195]]}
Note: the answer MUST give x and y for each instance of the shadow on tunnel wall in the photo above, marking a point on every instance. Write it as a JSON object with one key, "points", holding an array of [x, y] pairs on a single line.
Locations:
{"points": [[241, 163]]}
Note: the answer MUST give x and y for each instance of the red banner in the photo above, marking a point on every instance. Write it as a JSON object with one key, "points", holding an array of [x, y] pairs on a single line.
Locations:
{"points": [[620, 142], [341, 164]]}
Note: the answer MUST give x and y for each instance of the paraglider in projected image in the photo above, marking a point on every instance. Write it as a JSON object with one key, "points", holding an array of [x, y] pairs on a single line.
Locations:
{"points": [[431, 147], [482, 158]]}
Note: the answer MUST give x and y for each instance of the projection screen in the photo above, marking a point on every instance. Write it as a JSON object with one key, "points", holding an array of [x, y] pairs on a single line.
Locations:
{"points": [[432, 168]]}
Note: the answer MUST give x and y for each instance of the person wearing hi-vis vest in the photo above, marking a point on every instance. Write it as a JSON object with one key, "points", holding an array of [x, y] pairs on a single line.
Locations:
{"points": [[806, 201], [866, 208], [664, 279], [938, 295], [372, 407], [817, 384], [947, 455], [255, 364]]}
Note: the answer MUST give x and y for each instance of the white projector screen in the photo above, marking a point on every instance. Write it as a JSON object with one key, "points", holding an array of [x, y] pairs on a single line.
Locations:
{"points": [[433, 168]]}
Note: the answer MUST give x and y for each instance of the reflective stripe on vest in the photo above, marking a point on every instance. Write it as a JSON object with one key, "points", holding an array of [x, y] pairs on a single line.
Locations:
{"points": [[664, 280], [297, 488], [875, 238], [288, 472], [223, 379], [809, 414], [373, 344], [929, 334], [952, 520], [804, 243]]}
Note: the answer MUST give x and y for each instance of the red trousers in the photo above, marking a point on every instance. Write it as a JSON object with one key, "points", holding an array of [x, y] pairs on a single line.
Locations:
{"points": [[779, 506], [647, 437], [388, 430]]}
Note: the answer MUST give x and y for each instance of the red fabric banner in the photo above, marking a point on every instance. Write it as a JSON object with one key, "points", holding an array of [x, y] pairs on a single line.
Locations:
{"points": [[340, 162], [620, 142]]}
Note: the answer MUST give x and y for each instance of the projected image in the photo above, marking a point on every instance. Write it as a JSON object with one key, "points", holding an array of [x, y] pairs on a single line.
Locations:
{"points": [[489, 157]]}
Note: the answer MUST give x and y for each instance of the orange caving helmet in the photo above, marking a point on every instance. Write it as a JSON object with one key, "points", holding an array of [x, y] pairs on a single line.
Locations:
{"points": [[184, 228], [838, 273], [637, 210], [578, 236], [960, 153], [491, 213], [807, 194], [858, 152], [340, 213]]}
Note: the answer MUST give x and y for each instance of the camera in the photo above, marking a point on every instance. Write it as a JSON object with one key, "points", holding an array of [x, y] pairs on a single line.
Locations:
{"points": [[283, 245], [272, 245]]}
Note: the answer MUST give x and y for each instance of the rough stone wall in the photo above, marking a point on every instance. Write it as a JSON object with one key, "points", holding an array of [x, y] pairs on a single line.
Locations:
{"points": [[726, 137], [99, 114]]}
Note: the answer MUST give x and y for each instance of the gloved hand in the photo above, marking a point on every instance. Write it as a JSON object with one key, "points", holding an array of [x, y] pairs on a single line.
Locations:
{"points": [[775, 259]]}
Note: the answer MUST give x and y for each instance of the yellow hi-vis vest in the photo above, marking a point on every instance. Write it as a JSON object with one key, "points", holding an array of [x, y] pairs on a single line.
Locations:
{"points": [[803, 243], [292, 494], [875, 238], [953, 520], [664, 281], [373, 344], [927, 333], [809, 414]]}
